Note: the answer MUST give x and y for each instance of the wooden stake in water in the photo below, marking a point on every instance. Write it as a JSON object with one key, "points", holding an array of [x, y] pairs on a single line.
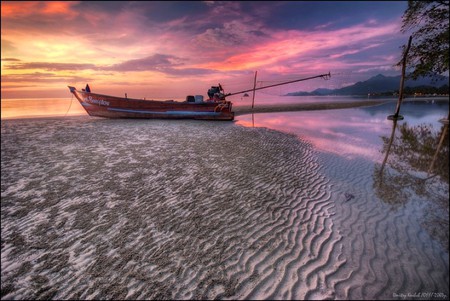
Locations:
{"points": [[402, 82], [394, 126], [254, 87], [441, 141]]}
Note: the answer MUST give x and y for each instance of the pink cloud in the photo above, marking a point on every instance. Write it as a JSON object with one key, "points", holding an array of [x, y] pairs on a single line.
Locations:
{"points": [[225, 43], [304, 46]]}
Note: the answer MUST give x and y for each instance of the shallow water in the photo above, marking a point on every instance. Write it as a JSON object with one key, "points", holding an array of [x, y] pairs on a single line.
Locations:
{"points": [[150, 209], [350, 132], [391, 193], [69, 106]]}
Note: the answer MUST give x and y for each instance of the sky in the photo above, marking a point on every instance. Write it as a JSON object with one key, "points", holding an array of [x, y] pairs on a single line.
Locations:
{"points": [[171, 49]]}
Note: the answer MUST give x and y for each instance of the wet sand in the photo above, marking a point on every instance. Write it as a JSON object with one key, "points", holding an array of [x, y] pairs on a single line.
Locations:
{"points": [[150, 209], [160, 210]]}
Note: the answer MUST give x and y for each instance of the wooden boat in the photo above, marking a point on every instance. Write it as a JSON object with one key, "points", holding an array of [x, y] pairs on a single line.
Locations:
{"points": [[216, 107]]}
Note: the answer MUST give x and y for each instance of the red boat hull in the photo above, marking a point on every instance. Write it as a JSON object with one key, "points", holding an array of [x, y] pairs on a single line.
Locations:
{"points": [[115, 107]]}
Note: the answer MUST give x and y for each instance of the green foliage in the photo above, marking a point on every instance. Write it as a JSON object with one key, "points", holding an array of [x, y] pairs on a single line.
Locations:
{"points": [[429, 53], [426, 90]]}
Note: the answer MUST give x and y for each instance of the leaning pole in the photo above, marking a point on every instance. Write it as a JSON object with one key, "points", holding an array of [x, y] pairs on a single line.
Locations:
{"points": [[402, 82]]}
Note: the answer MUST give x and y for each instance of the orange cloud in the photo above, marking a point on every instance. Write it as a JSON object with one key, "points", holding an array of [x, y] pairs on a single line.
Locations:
{"points": [[26, 8], [18, 9], [58, 8]]}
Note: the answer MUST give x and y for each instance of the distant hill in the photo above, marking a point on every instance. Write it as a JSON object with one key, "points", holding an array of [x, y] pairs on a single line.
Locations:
{"points": [[375, 85]]}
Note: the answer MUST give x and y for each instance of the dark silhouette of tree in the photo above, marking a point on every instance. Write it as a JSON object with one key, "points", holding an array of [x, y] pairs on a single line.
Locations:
{"points": [[429, 21]]}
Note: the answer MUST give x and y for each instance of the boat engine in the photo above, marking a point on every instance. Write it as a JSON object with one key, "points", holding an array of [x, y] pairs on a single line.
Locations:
{"points": [[216, 93]]}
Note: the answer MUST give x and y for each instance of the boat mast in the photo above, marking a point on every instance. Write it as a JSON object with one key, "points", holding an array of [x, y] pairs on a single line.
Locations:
{"points": [[324, 76]]}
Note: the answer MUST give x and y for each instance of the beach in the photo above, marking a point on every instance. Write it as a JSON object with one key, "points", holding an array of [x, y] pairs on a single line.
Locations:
{"points": [[225, 150], [152, 209]]}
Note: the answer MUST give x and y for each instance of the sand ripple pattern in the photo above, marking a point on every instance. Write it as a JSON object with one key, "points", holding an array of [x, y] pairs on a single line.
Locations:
{"points": [[129, 209], [389, 255]]}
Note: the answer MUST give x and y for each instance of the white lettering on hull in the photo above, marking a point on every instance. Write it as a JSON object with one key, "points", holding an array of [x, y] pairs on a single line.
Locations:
{"points": [[99, 102]]}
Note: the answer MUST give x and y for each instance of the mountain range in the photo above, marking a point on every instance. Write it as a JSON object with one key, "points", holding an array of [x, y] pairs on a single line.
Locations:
{"points": [[375, 85]]}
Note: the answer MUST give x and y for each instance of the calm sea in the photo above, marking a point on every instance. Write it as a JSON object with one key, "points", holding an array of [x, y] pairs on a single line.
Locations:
{"points": [[46, 107], [355, 131], [40, 107]]}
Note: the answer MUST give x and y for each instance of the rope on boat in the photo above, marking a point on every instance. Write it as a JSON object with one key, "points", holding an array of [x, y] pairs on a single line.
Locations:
{"points": [[220, 107], [71, 99]]}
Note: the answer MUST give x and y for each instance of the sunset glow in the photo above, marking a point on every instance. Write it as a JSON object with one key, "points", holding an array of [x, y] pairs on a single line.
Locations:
{"points": [[170, 49]]}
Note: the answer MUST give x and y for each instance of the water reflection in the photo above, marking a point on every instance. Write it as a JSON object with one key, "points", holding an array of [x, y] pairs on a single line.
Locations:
{"points": [[412, 152], [400, 179], [415, 167], [38, 107], [349, 133]]}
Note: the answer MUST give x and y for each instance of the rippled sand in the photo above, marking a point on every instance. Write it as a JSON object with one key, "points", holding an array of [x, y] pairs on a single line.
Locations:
{"points": [[129, 209]]}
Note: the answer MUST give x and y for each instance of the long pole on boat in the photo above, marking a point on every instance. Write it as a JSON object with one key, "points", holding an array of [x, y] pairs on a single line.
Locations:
{"points": [[325, 76], [254, 87]]}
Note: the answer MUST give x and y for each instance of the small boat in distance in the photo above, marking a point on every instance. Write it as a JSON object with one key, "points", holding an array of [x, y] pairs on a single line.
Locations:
{"points": [[216, 107], [194, 107]]}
